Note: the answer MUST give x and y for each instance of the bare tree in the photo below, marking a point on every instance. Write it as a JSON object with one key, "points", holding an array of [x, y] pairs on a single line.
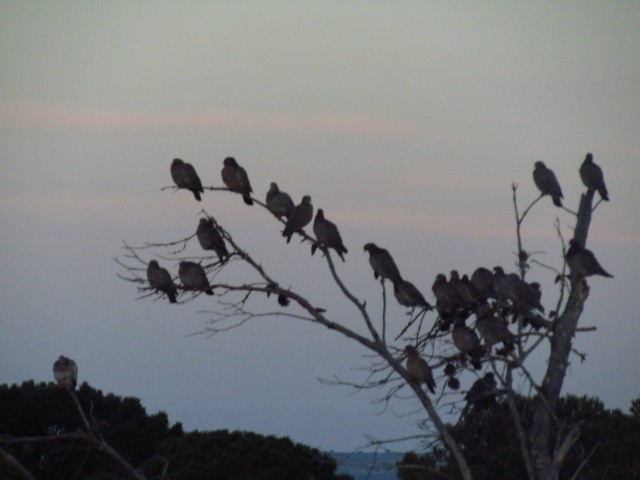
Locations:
{"points": [[472, 331]]}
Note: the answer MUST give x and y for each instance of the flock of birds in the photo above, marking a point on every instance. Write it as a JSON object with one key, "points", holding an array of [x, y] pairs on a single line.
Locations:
{"points": [[491, 295]]}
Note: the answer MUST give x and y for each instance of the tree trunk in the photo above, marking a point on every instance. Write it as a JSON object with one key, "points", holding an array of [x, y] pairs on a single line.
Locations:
{"points": [[548, 443]]}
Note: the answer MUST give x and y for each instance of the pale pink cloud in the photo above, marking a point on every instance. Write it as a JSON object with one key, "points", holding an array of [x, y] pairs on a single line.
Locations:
{"points": [[69, 117]]}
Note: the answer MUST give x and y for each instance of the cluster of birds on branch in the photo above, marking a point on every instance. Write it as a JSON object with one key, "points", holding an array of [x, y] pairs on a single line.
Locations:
{"points": [[492, 296], [295, 217]]}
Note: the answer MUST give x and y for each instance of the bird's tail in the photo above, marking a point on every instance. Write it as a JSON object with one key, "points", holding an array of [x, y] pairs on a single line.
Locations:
{"points": [[196, 194], [247, 199], [557, 202], [172, 297]]}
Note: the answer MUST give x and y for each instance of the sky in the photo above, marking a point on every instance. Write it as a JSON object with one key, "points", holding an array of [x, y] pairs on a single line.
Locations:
{"points": [[407, 122]]}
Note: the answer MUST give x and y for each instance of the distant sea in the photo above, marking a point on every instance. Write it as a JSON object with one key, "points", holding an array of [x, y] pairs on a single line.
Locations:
{"points": [[372, 466]]}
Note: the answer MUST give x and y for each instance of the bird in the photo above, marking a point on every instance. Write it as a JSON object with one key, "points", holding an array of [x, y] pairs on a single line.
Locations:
{"points": [[547, 183], [527, 296], [185, 176], [467, 291], [327, 234], [300, 217], [483, 391], [409, 296], [446, 293], [493, 330], [482, 279], [582, 262], [505, 284], [382, 263], [592, 177], [65, 371], [235, 177], [279, 203], [418, 369], [193, 277], [210, 239], [466, 340], [160, 279]]}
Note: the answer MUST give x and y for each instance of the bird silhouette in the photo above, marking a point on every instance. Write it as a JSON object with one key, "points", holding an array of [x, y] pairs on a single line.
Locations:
{"points": [[210, 239], [300, 217], [418, 369], [279, 203], [547, 183], [235, 177], [193, 277], [185, 176], [382, 263], [592, 177], [65, 372], [327, 234], [160, 279], [582, 262]]}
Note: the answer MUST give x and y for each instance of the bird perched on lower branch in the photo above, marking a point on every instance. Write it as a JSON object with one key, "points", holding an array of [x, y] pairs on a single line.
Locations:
{"points": [[418, 369]]}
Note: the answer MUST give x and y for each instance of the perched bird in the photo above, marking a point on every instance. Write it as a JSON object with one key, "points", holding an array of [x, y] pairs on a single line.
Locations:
{"points": [[483, 391], [505, 284], [466, 340], [547, 183], [193, 277], [467, 291], [382, 263], [527, 296], [493, 330], [409, 296], [235, 177], [65, 371], [279, 203], [418, 369], [446, 293], [210, 239], [482, 279], [185, 176], [592, 177], [327, 234], [160, 279], [582, 262], [300, 217]]}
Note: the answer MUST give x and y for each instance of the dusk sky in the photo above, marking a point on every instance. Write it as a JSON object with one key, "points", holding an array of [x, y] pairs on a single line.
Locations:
{"points": [[407, 122]]}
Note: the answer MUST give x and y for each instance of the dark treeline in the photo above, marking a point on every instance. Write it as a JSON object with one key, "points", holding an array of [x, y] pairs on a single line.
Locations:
{"points": [[148, 442]]}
